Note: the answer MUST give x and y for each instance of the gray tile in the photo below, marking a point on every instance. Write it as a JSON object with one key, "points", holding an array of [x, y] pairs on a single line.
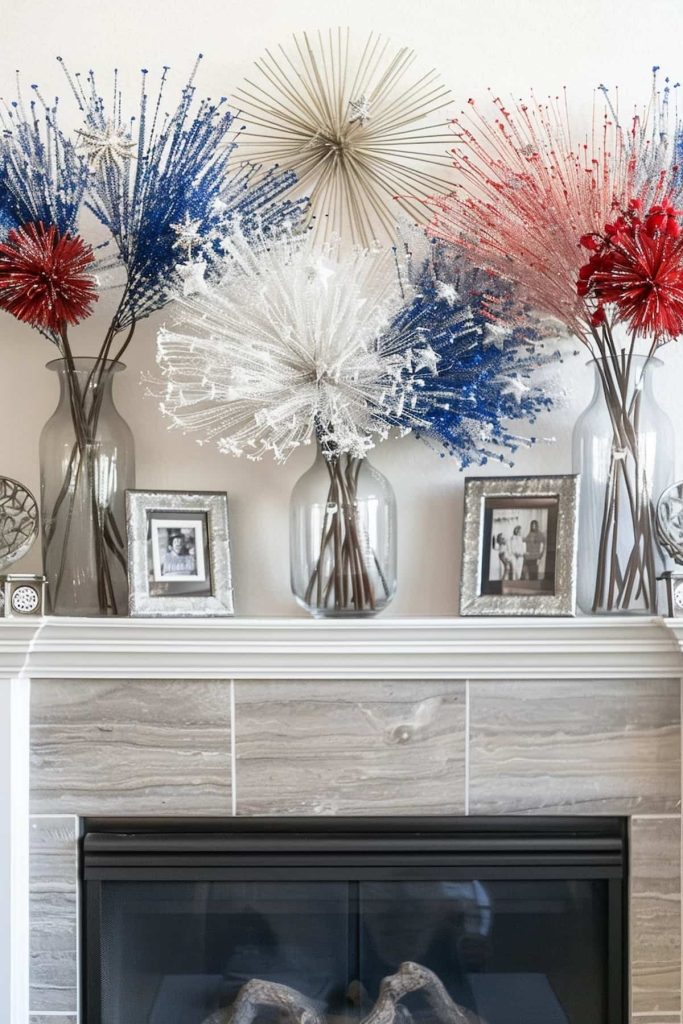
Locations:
{"points": [[53, 909], [130, 747], [656, 915], [656, 1018], [361, 747], [608, 747], [52, 1018]]}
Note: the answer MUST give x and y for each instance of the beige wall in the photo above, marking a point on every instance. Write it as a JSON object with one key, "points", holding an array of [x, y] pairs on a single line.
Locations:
{"points": [[508, 45]]}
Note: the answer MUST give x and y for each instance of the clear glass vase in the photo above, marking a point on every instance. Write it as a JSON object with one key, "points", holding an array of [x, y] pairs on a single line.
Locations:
{"points": [[623, 447], [343, 538], [87, 461]]}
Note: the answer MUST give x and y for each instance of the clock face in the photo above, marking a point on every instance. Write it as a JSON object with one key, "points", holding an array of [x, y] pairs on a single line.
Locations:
{"points": [[25, 599], [678, 595]]}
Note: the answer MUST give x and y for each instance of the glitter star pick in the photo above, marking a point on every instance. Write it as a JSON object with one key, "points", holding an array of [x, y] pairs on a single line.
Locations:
{"points": [[108, 145], [193, 276], [359, 110], [188, 235]]}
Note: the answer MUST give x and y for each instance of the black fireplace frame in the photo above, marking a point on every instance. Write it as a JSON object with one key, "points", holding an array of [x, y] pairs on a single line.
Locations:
{"points": [[329, 848]]}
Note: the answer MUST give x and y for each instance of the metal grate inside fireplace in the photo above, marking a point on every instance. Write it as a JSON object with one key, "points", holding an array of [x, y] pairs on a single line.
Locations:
{"points": [[355, 921]]}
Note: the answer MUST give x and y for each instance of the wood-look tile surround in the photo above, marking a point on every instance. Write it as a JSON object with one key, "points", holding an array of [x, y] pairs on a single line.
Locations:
{"points": [[350, 748], [53, 910], [612, 747], [131, 747], [362, 747], [656, 914], [52, 1018]]}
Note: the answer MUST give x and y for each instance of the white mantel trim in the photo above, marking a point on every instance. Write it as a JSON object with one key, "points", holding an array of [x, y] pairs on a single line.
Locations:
{"points": [[14, 850], [390, 648]]}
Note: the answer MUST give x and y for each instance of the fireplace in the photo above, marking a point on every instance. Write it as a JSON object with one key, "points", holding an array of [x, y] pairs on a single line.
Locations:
{"points": [[472, 920]]}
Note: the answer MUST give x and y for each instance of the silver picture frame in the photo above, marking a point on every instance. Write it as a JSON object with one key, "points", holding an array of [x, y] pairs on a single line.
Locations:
{"points": [[178, 554], [520, 546]]}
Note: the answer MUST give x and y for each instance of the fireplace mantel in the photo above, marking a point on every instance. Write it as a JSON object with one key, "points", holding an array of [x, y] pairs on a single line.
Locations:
{"points": [[297, 648], [479, 742]]}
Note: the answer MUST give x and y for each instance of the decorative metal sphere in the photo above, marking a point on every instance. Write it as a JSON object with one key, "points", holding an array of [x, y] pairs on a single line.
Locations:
{"points": [[670, 521], [18, 521]]}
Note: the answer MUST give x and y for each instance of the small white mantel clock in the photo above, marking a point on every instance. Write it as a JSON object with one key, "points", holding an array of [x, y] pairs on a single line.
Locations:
{"points": [[22, 595], [674, 593]]}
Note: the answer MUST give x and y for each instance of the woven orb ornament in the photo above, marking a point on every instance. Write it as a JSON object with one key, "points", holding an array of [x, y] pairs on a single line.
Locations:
{"points": [[670, 521], [18, 521], [361, 126]]}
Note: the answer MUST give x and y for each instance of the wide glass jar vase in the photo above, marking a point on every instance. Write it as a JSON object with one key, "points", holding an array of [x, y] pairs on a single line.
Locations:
{"points": [[623, 447], [87, 461], [343, 538]]}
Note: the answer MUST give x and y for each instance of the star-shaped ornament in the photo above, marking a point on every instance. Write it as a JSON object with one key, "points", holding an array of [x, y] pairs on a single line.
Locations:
{"points": [[229, 447], [515, 387], [110, 144], [192, 276], [425, 358], [187, 235], [447, 292], [359, 110], [496, 335]]}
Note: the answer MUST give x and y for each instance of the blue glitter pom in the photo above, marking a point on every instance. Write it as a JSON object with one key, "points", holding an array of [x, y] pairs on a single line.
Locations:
{"points": [[180, 170], [42, 177], [483, 347], [143, 174]]}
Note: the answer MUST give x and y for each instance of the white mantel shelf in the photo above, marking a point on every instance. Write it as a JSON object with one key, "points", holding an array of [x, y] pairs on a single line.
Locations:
{"points": [[389, 648]]}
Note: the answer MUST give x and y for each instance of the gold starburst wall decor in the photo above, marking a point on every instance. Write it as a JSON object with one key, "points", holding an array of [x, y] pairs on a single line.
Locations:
{"points": [[361, 125]]}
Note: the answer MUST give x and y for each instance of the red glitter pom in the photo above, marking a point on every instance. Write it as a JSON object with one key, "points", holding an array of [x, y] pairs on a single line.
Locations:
{"points": [[43, 277], [637, 266]]}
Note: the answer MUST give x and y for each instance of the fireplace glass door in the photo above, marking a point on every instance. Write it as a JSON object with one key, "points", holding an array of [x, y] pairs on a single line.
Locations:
{"points": [[454, 928]]}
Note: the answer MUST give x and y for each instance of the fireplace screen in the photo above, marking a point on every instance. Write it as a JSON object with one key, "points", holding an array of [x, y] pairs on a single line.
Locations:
{"points": [[474, 923]]}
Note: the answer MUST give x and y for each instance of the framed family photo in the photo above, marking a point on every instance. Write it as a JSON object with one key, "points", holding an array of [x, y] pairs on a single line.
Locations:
{"points": [[178, 554], [519, 546]]}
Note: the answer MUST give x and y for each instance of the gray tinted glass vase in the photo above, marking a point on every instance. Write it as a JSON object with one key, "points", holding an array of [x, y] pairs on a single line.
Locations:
{"points": [[87, 461], [623, 447], [343, 538]]}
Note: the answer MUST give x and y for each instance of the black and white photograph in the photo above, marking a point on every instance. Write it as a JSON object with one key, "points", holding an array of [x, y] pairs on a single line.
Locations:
{"points": [[178, 553], [519, 546], [178, 550]]}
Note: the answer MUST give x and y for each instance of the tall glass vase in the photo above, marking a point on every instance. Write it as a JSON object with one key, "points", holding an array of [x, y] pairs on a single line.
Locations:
{"points": [[623, 447], [87, 461], [343, 538]]}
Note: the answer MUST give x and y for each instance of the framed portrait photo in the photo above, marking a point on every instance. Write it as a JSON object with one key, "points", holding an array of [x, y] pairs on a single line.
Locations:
{"points": [[178, 554], [519, 546]]}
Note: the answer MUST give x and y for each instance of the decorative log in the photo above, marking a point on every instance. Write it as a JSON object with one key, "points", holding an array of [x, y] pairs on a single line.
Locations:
{"points": [[412, 977], [357, 996], [299, 1009], [294, 1006]]}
